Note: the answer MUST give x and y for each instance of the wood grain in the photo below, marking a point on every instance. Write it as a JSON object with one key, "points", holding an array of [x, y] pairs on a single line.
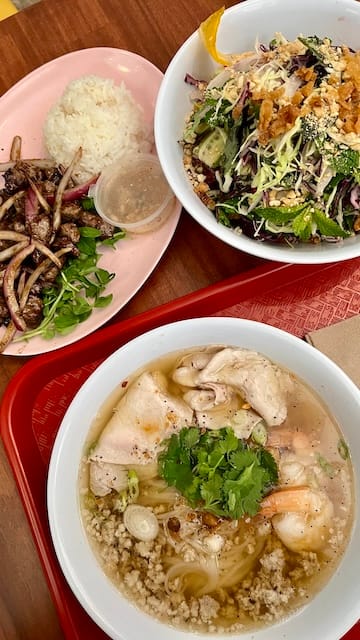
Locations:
{"points": [[194, 259]]}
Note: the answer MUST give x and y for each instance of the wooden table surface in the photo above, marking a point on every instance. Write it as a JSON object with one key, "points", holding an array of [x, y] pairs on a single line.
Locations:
{"points": [[194, 259]]}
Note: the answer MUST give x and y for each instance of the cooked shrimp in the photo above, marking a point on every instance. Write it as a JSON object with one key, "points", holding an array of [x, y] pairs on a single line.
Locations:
{"points": [[296, 457], [281, 438], [301, 517]]}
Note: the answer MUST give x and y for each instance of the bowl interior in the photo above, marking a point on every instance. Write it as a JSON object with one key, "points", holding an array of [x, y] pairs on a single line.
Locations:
{"points": [[115, 615], [239, 29]]}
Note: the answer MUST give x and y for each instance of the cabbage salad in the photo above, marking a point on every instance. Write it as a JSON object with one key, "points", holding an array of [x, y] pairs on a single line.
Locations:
{"points": [[272, 144]]}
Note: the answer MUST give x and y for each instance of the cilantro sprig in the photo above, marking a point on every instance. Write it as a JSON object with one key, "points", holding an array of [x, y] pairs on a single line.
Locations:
{"points": [[77, 290], [218, 472]]}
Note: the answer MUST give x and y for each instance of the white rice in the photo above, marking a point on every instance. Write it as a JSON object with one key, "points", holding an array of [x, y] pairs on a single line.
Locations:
{"points": [[102, 118]]}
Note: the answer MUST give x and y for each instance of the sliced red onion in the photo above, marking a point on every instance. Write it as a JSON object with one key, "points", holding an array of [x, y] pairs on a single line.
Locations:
{"points": [[43, 203], [15, 151], [220, 79], [61, 188], [47, 252], [10, 275], [195, 82], [9, 203], [21, 284], [33, 277], [7, 336], [245, 62], [74, 193], [239, 105], [8, 253], [6, 234], [31, 206], [40, 163], [355, 197]]}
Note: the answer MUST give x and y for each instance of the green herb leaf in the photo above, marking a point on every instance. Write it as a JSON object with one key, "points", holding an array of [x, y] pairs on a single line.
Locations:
{"points": [[90, 232], [313, 44], [218, 472], [343, 449], [280, 215], [302, 225], [87, 203], [103, 301], [326, 466], [78, 289], [118, 235], [345, 161], [328, 226]]}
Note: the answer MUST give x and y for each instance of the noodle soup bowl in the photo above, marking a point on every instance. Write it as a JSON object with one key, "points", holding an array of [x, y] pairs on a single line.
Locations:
{"points": [[330, 613], [241, 26]]}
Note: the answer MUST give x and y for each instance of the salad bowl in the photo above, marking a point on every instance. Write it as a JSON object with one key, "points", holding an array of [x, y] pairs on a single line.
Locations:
{"points": [[248, 26]]}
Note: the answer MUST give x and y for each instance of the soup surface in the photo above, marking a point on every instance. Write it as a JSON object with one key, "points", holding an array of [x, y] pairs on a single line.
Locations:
{"points": [[216, 490]]}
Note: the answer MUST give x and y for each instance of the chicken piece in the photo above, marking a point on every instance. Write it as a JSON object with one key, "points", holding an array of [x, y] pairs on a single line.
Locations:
{"points": [[144, 416], [210, 397], [214, 406], [105, 476], [261, 383], [187, 371], [220, 406]]}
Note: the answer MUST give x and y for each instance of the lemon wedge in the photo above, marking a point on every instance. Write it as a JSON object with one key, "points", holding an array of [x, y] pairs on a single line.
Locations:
{"points": [[208, 32]]}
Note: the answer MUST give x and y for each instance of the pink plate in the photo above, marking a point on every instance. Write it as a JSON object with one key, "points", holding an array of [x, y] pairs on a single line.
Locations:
{"points": [[22, 112]]}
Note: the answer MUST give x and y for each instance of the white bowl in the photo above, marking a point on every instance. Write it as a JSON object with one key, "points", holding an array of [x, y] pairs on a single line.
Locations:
{"points": [[331, 613], [240, 26]]}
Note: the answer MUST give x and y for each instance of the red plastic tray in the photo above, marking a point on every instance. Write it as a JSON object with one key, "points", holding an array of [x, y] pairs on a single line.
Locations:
{"points": [[296, 298]]}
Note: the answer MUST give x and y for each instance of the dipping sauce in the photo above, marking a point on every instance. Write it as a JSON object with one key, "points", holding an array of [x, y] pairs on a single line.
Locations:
{"points": [[133, 194]]}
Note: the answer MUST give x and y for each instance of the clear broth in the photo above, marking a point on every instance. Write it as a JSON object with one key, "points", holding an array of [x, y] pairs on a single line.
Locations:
{"points": [[276, 582]]}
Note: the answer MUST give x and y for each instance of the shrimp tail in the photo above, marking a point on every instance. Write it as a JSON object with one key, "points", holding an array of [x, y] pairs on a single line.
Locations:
{"points": [[291, 499]]}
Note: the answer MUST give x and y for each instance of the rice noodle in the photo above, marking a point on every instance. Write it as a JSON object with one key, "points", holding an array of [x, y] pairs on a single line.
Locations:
{"points": [[155, 490], [182, 569], [235, 566]]}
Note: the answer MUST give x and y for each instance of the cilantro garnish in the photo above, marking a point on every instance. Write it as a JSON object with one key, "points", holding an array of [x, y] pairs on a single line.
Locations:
{"points": [[218, 472], [77, 290]]}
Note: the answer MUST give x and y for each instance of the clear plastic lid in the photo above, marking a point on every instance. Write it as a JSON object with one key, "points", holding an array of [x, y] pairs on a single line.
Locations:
{"points": [[133, 193]]}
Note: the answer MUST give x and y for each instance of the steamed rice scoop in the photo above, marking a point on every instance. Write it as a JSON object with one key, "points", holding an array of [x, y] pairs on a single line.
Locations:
{"points": [[100, 117]]}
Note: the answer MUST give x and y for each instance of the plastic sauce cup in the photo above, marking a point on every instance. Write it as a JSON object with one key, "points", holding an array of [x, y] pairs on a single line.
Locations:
{"points": [[133, 194]]}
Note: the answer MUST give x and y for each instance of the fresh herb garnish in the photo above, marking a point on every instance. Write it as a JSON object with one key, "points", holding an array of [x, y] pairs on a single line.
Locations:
{"points": [[325, 465], [88, 204], [218, 472], [77, 290], [343, 449], [305, 219], [280, 215], [345, 161], [314, 44]]}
